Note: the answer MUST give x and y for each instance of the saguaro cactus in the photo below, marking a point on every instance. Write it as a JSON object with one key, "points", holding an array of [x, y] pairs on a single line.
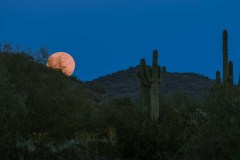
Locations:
{"points": [[150, 79], [225, 56], [227, 66]]}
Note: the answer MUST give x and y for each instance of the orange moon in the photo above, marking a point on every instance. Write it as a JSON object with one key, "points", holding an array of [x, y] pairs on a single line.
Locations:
{"points": [[62, 61]]}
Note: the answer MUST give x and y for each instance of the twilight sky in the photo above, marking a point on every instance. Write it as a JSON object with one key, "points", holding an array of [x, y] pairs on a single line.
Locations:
{"points": [[105, 36]]}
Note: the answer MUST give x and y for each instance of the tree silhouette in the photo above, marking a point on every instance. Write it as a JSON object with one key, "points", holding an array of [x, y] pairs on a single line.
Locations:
{"points": [[57, 64], [42, 55]]}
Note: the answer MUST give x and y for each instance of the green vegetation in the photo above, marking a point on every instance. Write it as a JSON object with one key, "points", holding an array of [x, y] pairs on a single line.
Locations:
{"points": [[38, 104], [47, 115]]}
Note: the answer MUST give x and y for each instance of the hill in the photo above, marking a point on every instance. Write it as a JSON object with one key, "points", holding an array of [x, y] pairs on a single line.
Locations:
{"points": [[47, 115], [35, 99], [125, 83]]}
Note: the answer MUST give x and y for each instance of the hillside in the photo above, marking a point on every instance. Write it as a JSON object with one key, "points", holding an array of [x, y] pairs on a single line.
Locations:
{"points": [[47, 115], [36, 99], [125, 83]]}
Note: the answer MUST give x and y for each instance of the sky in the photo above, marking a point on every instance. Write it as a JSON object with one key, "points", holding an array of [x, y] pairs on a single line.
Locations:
{"points": [[105, 36]]}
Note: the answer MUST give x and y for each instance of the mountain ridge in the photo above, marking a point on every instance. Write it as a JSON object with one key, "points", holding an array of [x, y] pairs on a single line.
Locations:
{"points": [[125, 83]]}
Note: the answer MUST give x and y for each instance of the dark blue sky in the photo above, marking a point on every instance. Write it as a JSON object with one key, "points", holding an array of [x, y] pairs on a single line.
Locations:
{"points": [[105, 36]]}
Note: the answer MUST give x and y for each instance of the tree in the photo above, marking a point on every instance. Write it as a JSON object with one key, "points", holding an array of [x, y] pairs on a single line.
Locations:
{"points": [[42, 55]]}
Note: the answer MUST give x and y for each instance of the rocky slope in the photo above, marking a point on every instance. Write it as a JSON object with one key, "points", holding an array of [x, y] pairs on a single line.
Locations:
{"points": [[125, 83]]}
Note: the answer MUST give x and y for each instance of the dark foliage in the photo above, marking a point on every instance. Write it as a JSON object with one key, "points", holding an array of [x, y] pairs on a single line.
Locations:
{"points": [[47, 115]]}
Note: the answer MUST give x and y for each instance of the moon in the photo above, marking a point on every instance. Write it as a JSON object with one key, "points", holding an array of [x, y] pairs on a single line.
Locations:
{"points": [[63, 62]]}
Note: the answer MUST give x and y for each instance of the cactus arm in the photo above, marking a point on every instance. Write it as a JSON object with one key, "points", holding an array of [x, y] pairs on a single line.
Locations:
{"points": [[164, 70], [159, 74], [155, 58], [142, 75], [218, 78], [163, 73], [148, 74]]}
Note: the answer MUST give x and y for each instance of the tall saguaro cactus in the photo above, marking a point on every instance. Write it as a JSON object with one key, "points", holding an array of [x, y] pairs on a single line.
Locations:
{"points": [[225, 56], [227, 65], [150, 80]]}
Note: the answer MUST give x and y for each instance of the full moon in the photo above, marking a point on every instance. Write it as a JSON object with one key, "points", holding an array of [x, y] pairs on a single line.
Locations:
{"points": [[62, 61]]}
